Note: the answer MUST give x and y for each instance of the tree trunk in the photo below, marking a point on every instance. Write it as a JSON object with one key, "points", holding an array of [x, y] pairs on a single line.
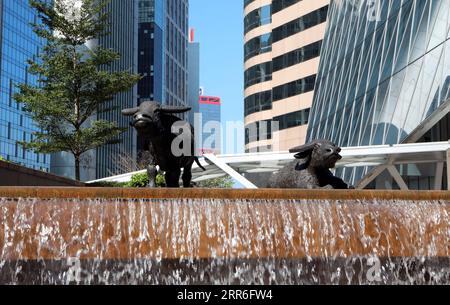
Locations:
{"points": [[77, 168]]}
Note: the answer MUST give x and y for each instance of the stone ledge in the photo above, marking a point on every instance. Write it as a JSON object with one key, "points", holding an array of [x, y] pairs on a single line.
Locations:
{"points": [[268, 194]]}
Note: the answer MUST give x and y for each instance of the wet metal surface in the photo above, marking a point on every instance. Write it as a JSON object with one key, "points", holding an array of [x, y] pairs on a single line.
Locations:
{"points": [[116, 236]]}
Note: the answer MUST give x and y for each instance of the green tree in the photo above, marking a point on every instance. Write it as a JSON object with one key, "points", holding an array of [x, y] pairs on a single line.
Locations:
{"points": [[74, 82]]}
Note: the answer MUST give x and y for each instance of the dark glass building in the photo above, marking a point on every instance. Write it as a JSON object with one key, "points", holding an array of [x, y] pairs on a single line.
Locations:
{"points": [[384, 77], [18, 43], [163, 53], [151, 49], [176, 28], [123, 39]]}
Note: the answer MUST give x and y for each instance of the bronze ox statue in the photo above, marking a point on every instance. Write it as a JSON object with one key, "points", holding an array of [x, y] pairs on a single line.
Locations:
{"points": [[156, 123], [312, 170]]}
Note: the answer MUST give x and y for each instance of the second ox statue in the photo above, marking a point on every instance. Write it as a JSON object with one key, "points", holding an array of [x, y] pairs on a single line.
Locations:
{"points": [[160, 128], [312, 170]]}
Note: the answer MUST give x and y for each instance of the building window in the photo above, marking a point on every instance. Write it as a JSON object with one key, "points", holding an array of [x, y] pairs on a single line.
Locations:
{"points": [[257, 18], [293, 119], [260, 101], [294, 88], [297, 56], [258, 45], [278, 5], [258, 131], [301, 24], [258, 74]]}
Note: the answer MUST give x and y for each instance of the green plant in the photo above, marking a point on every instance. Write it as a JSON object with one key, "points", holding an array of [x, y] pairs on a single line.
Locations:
{"points": [[160, 180], [109, 184], [139, 180], [221, 183]]}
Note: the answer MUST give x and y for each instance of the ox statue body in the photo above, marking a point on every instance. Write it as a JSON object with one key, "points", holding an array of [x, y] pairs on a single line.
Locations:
{"points": [[160, 128], [312, 170]]}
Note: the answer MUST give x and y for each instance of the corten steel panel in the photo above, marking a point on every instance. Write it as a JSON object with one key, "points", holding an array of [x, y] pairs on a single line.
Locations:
{"points": [[323, 223]]}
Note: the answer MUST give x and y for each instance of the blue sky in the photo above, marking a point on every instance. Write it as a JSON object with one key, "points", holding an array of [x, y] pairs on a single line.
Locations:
{"points": [[219, 30]]}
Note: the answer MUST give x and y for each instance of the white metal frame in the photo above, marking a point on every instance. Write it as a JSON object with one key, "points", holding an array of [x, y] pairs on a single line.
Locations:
{"points": [[383, 158]]}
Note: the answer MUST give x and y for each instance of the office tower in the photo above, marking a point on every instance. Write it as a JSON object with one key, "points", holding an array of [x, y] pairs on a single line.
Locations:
{"points": [[151, 36], [384, 78], [123, 38], [163, 54], [176, 52], [18, 43], [282, 45], [193, 76], [210, 111], [151, 50]]}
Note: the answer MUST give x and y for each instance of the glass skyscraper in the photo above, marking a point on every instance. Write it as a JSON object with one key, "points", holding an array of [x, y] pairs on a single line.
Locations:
{"points": [[18, 43], [176, 30], [151, 36], [123, 38], [384, 74], [163, 53], [151, 49]]}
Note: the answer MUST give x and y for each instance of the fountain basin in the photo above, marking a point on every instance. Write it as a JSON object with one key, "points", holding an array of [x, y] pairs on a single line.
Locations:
{"points": [[196, 236]]}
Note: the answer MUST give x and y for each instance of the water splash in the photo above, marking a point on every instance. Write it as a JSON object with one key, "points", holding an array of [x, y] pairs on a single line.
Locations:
{"points": [[223, 242]]}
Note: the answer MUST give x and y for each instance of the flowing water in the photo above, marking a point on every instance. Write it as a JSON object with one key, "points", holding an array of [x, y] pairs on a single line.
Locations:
{"points": [[223, 242]]}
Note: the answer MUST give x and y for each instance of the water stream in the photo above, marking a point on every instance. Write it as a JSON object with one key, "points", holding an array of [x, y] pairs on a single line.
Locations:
{"points": [[223, 242]]}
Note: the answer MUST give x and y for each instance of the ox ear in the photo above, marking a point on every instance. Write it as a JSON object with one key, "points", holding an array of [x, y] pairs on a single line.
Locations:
{"points": [[304, 151], [174, 109], [130, 111]]}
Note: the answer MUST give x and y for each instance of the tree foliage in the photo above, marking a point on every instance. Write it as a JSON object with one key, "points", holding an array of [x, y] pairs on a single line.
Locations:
{"points": [[74, 81]]}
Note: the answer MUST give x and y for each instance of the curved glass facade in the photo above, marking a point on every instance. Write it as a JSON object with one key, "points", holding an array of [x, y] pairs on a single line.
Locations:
{"points": [[259, 17], [294, 88], [247, 2], [257, 102], [258, 74], [279, 5], [293, 119], [385, 68], [258, 45], [301, 24], [297, 56]]}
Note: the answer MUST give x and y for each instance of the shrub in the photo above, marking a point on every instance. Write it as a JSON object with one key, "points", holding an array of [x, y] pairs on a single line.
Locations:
{"points": [[139, 180], [221, 183], [160, 180]]}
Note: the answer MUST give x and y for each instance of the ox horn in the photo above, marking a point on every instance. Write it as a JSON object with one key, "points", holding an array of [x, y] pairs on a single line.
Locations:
{"points": [[175, 109], [130, 111]]}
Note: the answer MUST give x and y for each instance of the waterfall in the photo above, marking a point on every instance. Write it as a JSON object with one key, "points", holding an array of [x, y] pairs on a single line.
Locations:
{"points": [[217, 241]]}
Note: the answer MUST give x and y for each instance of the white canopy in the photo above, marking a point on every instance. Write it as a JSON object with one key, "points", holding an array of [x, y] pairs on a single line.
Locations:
{"points": [[383, 157]]}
